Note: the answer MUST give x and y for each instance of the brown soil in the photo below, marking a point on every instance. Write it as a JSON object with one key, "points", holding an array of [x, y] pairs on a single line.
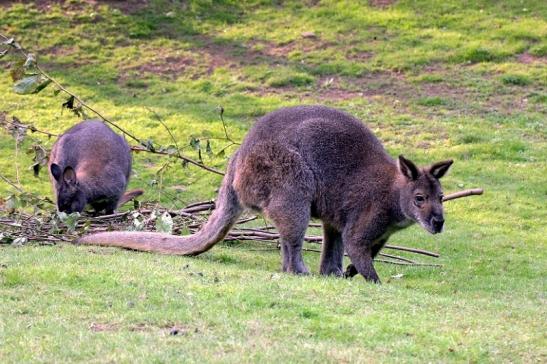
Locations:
{"points": [[171, 329], [255, 52], [381, 3], [125, 6], [98, 327], [168, 66], [527, 58]]}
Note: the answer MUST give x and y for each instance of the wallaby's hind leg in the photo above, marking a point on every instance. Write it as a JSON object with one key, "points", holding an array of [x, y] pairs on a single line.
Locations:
{"points": [[291, 221], [285, 256], [272, 177], [332, 254]]}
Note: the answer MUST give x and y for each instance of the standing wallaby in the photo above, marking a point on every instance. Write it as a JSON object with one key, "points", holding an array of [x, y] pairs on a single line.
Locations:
{"points": [[312, 161], [90, 164]]}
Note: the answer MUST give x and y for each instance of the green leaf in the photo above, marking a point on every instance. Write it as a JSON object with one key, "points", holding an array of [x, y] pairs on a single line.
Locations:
{"points": [[137, 223], [12, 202], [30, 62], [164, 223], [17, 71], [13, 43], [42, 86], [184, 230], [31, 85], [69, 103], [194, 143], [69, 220], [149, 145], [20, 241], [171, 150]]}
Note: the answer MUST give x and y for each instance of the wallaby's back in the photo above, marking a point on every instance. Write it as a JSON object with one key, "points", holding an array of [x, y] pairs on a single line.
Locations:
{"points": [[333, 146], [100, 159]]}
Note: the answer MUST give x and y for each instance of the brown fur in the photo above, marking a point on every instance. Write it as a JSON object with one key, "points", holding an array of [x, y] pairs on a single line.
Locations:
{"points": [[313, 161], [90, 164]]}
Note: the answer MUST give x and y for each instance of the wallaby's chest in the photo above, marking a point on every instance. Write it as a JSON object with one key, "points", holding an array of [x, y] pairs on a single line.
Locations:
{"points": [[393, 228]]}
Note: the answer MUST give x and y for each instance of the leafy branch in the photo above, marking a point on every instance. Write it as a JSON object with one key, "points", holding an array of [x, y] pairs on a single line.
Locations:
{"points": [[30, 78]]}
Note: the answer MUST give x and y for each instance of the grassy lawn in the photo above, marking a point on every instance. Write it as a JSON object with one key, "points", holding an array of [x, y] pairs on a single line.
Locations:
{"points": [[433, 79]]}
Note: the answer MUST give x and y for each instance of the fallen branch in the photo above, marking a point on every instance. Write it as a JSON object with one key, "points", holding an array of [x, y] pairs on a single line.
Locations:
{"points": [[464, 193], [190, 219]]}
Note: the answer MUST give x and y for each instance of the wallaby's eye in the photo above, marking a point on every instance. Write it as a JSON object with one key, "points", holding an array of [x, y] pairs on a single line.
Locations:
{"points": [[419, 199]]}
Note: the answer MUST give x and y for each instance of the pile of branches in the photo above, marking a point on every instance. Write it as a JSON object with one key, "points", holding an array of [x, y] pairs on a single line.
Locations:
{"points": [[19, 228]]}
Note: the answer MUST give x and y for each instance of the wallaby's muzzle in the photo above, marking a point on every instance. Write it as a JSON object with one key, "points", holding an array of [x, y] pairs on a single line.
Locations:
{"points": [[437, 224]]}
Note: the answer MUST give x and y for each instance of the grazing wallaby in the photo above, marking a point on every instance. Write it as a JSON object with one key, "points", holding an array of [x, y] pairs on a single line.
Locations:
{"points": [[313, 161], [90, 164]]}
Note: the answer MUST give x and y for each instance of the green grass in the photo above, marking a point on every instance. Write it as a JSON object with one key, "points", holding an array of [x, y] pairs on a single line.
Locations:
{"points": [[433, 80], [518, 80]]}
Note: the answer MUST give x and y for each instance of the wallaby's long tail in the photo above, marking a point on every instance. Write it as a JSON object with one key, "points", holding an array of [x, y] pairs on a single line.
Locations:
{"points": [[129, 195], [215, 229]]}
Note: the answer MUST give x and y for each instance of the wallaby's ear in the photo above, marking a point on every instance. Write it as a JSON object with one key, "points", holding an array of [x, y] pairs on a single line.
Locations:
{"points": [[69, 176], [408, 169], [55, 171], [439, 169]]}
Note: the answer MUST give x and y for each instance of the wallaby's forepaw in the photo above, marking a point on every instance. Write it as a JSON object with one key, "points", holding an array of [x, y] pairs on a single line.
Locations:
{"points": [[351, 271]]}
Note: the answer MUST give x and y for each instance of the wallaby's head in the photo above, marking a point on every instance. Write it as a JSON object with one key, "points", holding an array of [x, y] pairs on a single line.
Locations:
{"points": [[421, 195], [70, 197]]}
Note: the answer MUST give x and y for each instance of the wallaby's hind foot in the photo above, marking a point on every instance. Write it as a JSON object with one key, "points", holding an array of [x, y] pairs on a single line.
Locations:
{"points": [[332, 254]]}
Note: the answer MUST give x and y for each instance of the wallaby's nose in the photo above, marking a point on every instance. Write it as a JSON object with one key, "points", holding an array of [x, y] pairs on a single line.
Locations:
{"points": [[437, 223]]}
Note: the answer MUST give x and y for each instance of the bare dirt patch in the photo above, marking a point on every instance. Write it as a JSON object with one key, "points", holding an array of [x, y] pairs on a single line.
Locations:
{"points": [[169, 329], [234, 54], [528, 58], [381, 3], [169, 67], [103, 327], [126, 6]]}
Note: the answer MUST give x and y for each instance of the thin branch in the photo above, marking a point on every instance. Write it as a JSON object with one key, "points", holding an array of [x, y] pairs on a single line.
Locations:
{"points": [[32, 128], [408, 264], [221, 113], [411, 250], [159, 118], [16, 162], [5, 179], [464, 193], [191, 161], [396, 257]]}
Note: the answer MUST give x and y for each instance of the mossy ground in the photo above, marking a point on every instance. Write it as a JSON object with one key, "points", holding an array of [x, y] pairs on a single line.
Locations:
{"points": [[434, 80]]}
